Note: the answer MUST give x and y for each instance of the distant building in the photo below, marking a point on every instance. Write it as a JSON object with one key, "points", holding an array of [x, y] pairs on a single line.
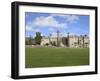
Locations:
{"points": [[78, 41], [68, 41]]}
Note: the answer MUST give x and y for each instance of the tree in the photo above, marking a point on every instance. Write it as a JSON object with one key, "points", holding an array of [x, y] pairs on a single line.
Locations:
{"points": [[83, 41], [58, 39], [30, 40], [50, 42], [78, 41], [38, 38], [82, 36], [68, 39], [85, 35], [54, 43]]}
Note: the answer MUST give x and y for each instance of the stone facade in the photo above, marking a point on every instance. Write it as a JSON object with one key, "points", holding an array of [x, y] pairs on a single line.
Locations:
{"points": [[68, 41], [78, 41]]}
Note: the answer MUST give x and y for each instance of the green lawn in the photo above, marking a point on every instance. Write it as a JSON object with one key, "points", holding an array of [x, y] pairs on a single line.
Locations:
{"points": [[52, 57]]}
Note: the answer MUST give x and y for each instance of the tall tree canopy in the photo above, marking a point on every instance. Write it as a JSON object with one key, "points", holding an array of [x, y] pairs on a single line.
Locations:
{"points": [[38, 38]]}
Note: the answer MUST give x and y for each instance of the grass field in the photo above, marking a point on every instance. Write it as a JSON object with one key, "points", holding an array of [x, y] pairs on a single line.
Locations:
{"points": [[52, 57]]}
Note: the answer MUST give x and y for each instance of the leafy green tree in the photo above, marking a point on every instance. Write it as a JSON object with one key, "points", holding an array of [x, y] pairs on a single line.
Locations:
{"points": [[38, 38]]}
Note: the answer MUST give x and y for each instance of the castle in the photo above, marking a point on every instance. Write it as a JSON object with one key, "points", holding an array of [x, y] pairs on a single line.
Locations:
{"points": [[74, 41], [68, 41]]}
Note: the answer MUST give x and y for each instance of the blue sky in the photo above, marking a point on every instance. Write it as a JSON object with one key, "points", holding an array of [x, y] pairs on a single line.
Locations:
{"points": [[49, 23]]}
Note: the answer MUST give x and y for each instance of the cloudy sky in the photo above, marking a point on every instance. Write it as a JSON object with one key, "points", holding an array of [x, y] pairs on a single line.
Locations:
{"points": [[49, 23]]}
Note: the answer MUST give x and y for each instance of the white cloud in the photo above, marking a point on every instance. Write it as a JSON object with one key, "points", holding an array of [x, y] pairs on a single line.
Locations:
{"points": [[68, 18], [54, 34], [42, 34], [31, 29], [49, 21], [72, 19], [64, 35], [59, 15], [51, 29], [36, 30], [72, 34]]}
